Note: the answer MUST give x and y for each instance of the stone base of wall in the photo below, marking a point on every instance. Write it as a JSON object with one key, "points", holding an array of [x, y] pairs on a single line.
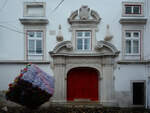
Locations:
{"points": [[123, 98], [109, 103]]}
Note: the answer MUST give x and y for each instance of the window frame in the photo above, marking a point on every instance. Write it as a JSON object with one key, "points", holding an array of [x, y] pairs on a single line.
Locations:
{"points": [[132, 8], [34, 4], [35, 39], [132, 5], [132, 39], [83, 40]]}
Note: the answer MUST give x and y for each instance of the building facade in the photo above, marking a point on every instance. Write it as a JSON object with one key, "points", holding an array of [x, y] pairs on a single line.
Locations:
{"points": [[97, 51]]}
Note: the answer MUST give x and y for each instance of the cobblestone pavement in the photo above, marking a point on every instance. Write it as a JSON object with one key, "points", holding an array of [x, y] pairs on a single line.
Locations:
{"points": [[15, 108], [58, 109]]}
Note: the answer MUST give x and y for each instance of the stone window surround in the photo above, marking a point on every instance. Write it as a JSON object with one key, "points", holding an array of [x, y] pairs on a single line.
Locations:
{"points": [[133, 28], [131, 89], [132, 7], [35, 54], [90, 39], [26, 4], [35, 28], [133, 3], [93, 34], [139, 31], [84, 19]]}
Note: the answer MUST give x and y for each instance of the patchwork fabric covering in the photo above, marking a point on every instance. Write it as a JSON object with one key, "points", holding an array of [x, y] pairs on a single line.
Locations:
{"points": [[31, 88]]}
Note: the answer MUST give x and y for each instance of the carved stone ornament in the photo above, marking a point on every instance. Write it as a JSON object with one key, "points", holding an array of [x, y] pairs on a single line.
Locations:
{"points": [[102, 48], [108, 36], [64, 44], [101, 44], [84, 13], [59, 37], [84, 16]]}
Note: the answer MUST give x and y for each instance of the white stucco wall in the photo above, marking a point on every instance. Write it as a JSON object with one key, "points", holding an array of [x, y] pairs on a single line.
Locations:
{"points": [[10, 14], [147, 33], [124, 74], [12, 43], [110, 12]]}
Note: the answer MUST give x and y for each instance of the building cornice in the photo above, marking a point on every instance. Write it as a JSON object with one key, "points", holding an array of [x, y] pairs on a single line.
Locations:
{"points": [[83, 54], [31, 21], [22, 62], [129, 20]]}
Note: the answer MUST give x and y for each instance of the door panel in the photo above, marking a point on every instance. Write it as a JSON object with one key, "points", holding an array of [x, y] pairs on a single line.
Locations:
{"points": [[82, 83]]}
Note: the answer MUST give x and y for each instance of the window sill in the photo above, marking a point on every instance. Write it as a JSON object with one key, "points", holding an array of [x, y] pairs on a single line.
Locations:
{"points": [[132, 54], [23, 62], [83, 51], [133, 15], [35, 55]]}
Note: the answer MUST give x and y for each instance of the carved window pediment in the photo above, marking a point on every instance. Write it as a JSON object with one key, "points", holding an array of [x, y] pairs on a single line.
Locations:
{"points": [[84, 16]]}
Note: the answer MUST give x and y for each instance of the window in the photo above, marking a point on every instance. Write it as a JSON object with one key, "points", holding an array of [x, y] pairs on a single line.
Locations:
{"points": [[133, 9], [34, 43], [34, 9], [83, 40], [132, 42]]}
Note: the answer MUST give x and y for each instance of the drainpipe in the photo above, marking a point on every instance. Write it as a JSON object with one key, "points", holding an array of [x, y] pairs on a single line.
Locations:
{"points": [[147, 70], [147, 93], [147, 4]]}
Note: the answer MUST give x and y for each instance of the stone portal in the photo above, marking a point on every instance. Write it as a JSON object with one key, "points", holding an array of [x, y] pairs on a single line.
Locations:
{"points": [[66, 61]]}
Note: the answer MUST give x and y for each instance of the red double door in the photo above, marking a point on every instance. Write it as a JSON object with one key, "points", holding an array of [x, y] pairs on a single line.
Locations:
{"points": [[82, 83]]}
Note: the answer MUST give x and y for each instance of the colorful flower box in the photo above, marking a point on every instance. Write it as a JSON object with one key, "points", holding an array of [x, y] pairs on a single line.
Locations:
{"points": [[31, 88]]}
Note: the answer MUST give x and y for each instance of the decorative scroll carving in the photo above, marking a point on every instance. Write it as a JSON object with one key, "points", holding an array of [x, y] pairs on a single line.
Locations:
{"points": [[109, 49], [66, 44], [73, 15], [95, 15], [108, 45]]}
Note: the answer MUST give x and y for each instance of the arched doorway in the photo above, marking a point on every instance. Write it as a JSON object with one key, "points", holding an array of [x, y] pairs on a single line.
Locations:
{"points": [[82, 83]]}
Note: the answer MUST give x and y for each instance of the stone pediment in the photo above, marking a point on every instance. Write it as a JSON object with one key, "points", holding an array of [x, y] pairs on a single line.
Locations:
{"points": [[102, 48], [84, 16]]}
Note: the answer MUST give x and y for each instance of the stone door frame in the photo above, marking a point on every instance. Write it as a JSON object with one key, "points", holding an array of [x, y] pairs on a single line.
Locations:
{"points": [[98, 83]]}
